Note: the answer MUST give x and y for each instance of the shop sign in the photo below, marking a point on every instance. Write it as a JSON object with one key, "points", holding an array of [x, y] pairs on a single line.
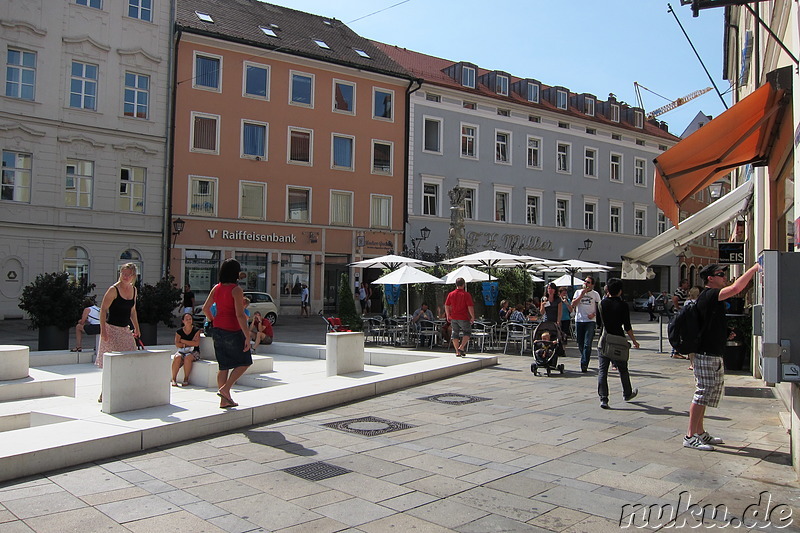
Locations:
{"points": [[242, 235], [508, 241], [731, 252]]}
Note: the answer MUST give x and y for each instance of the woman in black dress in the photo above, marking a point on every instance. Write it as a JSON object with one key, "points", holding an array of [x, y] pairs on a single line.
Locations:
{"points": [[187, 340]]}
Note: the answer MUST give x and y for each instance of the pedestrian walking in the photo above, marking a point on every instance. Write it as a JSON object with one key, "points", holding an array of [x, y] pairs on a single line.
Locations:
{"points": [[460, 311], [585, 305], [616, 320]]}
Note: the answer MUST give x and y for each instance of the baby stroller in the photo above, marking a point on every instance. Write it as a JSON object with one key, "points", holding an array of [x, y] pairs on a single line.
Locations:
{"points": [[546, 352], [335, 324]]}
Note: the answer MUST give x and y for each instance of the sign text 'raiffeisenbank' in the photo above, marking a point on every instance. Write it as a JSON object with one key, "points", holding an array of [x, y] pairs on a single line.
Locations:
{"points": [[242, 235]]}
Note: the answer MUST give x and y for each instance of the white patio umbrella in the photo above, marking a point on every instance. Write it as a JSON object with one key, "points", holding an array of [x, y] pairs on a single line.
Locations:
{"points": [[406, 275], [572, 267], [391, 262], [566, 280], [468, 273], [494, 259], [534, 277]]}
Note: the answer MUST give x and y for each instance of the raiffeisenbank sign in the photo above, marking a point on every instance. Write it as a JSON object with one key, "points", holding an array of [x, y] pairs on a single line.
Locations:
{"points": [[243, 235]]}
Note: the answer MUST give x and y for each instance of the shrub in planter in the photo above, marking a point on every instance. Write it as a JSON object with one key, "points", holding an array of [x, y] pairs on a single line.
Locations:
{"points": [[157, 303], [347, 305], [54, 304]]}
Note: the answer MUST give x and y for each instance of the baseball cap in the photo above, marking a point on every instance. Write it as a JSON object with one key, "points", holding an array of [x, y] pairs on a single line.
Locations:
{"points": [[710, 269]]}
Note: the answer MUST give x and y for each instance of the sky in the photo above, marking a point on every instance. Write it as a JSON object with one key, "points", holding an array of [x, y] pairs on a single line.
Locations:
{"points": [[592, 46]]}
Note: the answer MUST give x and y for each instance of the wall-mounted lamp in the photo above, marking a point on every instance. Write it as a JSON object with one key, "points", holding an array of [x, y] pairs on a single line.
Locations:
{"points": [[177, 228], [586, 245], [715, 190], [424, 233]]}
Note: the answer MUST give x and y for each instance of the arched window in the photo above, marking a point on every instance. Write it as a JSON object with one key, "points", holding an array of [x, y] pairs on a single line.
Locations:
{"points": [[76, 264], [683, 274], [131, 256], [693, 276]]}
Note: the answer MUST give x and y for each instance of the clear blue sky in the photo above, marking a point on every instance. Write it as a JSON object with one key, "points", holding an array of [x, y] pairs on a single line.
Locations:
{"points": [[591, 46]]}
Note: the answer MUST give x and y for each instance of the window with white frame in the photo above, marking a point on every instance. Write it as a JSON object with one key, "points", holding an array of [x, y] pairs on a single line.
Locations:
{"points": [[344, 97], [298, 204], [562, 212], [300, 146], [431, 97], [79, 182], [207, 72], [383, 104], [639, 169], [661, 223], [502, 205], [382, 157], [469, 203], [141, 9], [205, 133], [256, 80], [469, 105], [532, 209], [590, 162], [21, 74], [614, 113], [342, 148], [430, 199], [533, 92], [503, 112], [76, 265], [616, 167], [131, 189], [432, 131], [16, 176], [638, 119], [588, 106], [638, 221], [136, 95], [254, 139], [469, 141], [97, 4], [83, 86], [301, 89], [561, 99], [380, 213], [468, 77], [534, 152], [502, 85], [502, 147], [252, 200], [341, 208], [202, 196], [615, 218], [589, 215], [563, 157]]}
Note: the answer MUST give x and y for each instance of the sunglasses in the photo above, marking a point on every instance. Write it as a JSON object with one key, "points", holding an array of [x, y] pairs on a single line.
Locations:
{"points": [[717, 274]]}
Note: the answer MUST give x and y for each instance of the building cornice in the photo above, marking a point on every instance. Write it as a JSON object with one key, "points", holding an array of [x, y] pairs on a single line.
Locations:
{"points": [[22, 25]]}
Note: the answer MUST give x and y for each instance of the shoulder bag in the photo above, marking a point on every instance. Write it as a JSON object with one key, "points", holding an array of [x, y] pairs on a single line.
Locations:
{"points": [[613, 347]]}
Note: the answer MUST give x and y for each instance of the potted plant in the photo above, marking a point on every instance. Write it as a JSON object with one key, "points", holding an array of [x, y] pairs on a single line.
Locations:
{"points": [[156, 303], [54, 305]]}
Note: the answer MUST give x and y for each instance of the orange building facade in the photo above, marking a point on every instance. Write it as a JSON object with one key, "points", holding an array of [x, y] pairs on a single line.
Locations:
{"points": [[293, 165]]}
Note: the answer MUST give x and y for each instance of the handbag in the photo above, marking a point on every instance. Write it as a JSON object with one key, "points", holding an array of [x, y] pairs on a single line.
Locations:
{"points": [[614, 347]]}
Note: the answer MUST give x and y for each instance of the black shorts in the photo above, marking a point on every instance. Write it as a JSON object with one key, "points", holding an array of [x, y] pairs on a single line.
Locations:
{"points": [[228, 348], [91, 329]]}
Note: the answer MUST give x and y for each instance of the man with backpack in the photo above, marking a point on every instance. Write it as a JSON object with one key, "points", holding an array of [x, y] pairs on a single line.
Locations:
{"points": [[708, 370]]}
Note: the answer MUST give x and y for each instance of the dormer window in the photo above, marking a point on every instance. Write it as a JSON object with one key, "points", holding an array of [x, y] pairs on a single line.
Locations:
{"points": [[322, 44], [205, 17], [614, 113], [468, 77], [638, 118], [561, 99], [362, 53], [588, 106], [502, 85], [268, 31], [533, 92]]}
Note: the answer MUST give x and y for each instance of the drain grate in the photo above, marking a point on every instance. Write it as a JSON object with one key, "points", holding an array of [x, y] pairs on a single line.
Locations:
{"points": [[452, 398], [368, 426], [750, 392], [316, 471]]}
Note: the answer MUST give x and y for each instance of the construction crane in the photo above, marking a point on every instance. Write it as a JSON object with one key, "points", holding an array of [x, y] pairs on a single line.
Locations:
{"points": [[670, 106]]}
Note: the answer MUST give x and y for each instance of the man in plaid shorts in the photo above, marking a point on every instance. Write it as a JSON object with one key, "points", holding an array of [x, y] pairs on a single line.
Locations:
{"points": [[708, 369], [461, 314]]}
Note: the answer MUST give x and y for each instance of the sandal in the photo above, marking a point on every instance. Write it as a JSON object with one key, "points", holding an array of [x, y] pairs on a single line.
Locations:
{"points": [[230, 402], [76, 350], [185, 383], [174, 383], [678, 356]]}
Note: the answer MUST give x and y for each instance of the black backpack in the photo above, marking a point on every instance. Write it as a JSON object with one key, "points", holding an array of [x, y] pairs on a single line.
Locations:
{"points": [[685, 328]]}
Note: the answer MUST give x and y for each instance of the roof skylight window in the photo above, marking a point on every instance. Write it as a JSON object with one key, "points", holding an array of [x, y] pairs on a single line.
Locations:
{"points": [[362, 53], [322, 44], [326, 21], [268, 31], [205, 17]]}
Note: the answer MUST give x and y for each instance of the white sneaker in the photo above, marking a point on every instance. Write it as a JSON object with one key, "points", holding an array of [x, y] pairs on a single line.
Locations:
{"points": [[697, 443], [708, 439]]}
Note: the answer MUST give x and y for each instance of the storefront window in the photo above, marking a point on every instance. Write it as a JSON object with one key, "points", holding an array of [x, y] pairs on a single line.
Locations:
{"points": [[295, 270], [202, 267], [255, 268], [76, 264], [335, 266]]}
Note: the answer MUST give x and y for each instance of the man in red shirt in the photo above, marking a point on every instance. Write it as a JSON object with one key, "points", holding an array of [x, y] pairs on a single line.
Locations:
{"points": [[460, 312]]}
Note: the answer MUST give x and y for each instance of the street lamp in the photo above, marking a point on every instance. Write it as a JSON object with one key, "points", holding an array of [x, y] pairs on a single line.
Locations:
{"points": [[586, 245], [177, 228], [715, 190], [424, 233], [572, 271]]}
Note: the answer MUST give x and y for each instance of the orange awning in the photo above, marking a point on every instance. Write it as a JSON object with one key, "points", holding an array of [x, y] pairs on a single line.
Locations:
{"points": [[739, 136]]}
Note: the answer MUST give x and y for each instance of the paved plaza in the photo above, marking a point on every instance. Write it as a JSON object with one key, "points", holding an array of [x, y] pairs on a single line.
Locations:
{"points": [[496, 449]]}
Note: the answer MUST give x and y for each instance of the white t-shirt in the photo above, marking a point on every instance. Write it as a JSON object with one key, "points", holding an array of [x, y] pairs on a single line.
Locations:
{"points": [[586, 305]]}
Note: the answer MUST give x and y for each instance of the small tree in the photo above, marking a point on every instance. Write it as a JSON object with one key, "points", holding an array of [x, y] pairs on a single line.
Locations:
{"points": [[347, 305], [157, 302], [53, 300]]}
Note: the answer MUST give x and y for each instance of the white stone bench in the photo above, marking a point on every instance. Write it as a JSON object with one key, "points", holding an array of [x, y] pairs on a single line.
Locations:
{"points": [[14, 362], [135, 380], [345, 353], [204, 372]]}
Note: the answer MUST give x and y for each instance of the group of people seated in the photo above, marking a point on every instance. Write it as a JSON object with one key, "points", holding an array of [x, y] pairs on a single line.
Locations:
{"points": [[522, 312]]}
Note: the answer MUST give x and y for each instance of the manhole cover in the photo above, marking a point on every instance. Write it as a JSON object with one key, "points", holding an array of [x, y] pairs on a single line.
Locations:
{"points": [[454, 398], [750, 392], [316, 471], [368, 425]]}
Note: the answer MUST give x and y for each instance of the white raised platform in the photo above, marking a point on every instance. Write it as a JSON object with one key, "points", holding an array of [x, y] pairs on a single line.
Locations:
{"points": [[76, 431], [204, 372]]}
